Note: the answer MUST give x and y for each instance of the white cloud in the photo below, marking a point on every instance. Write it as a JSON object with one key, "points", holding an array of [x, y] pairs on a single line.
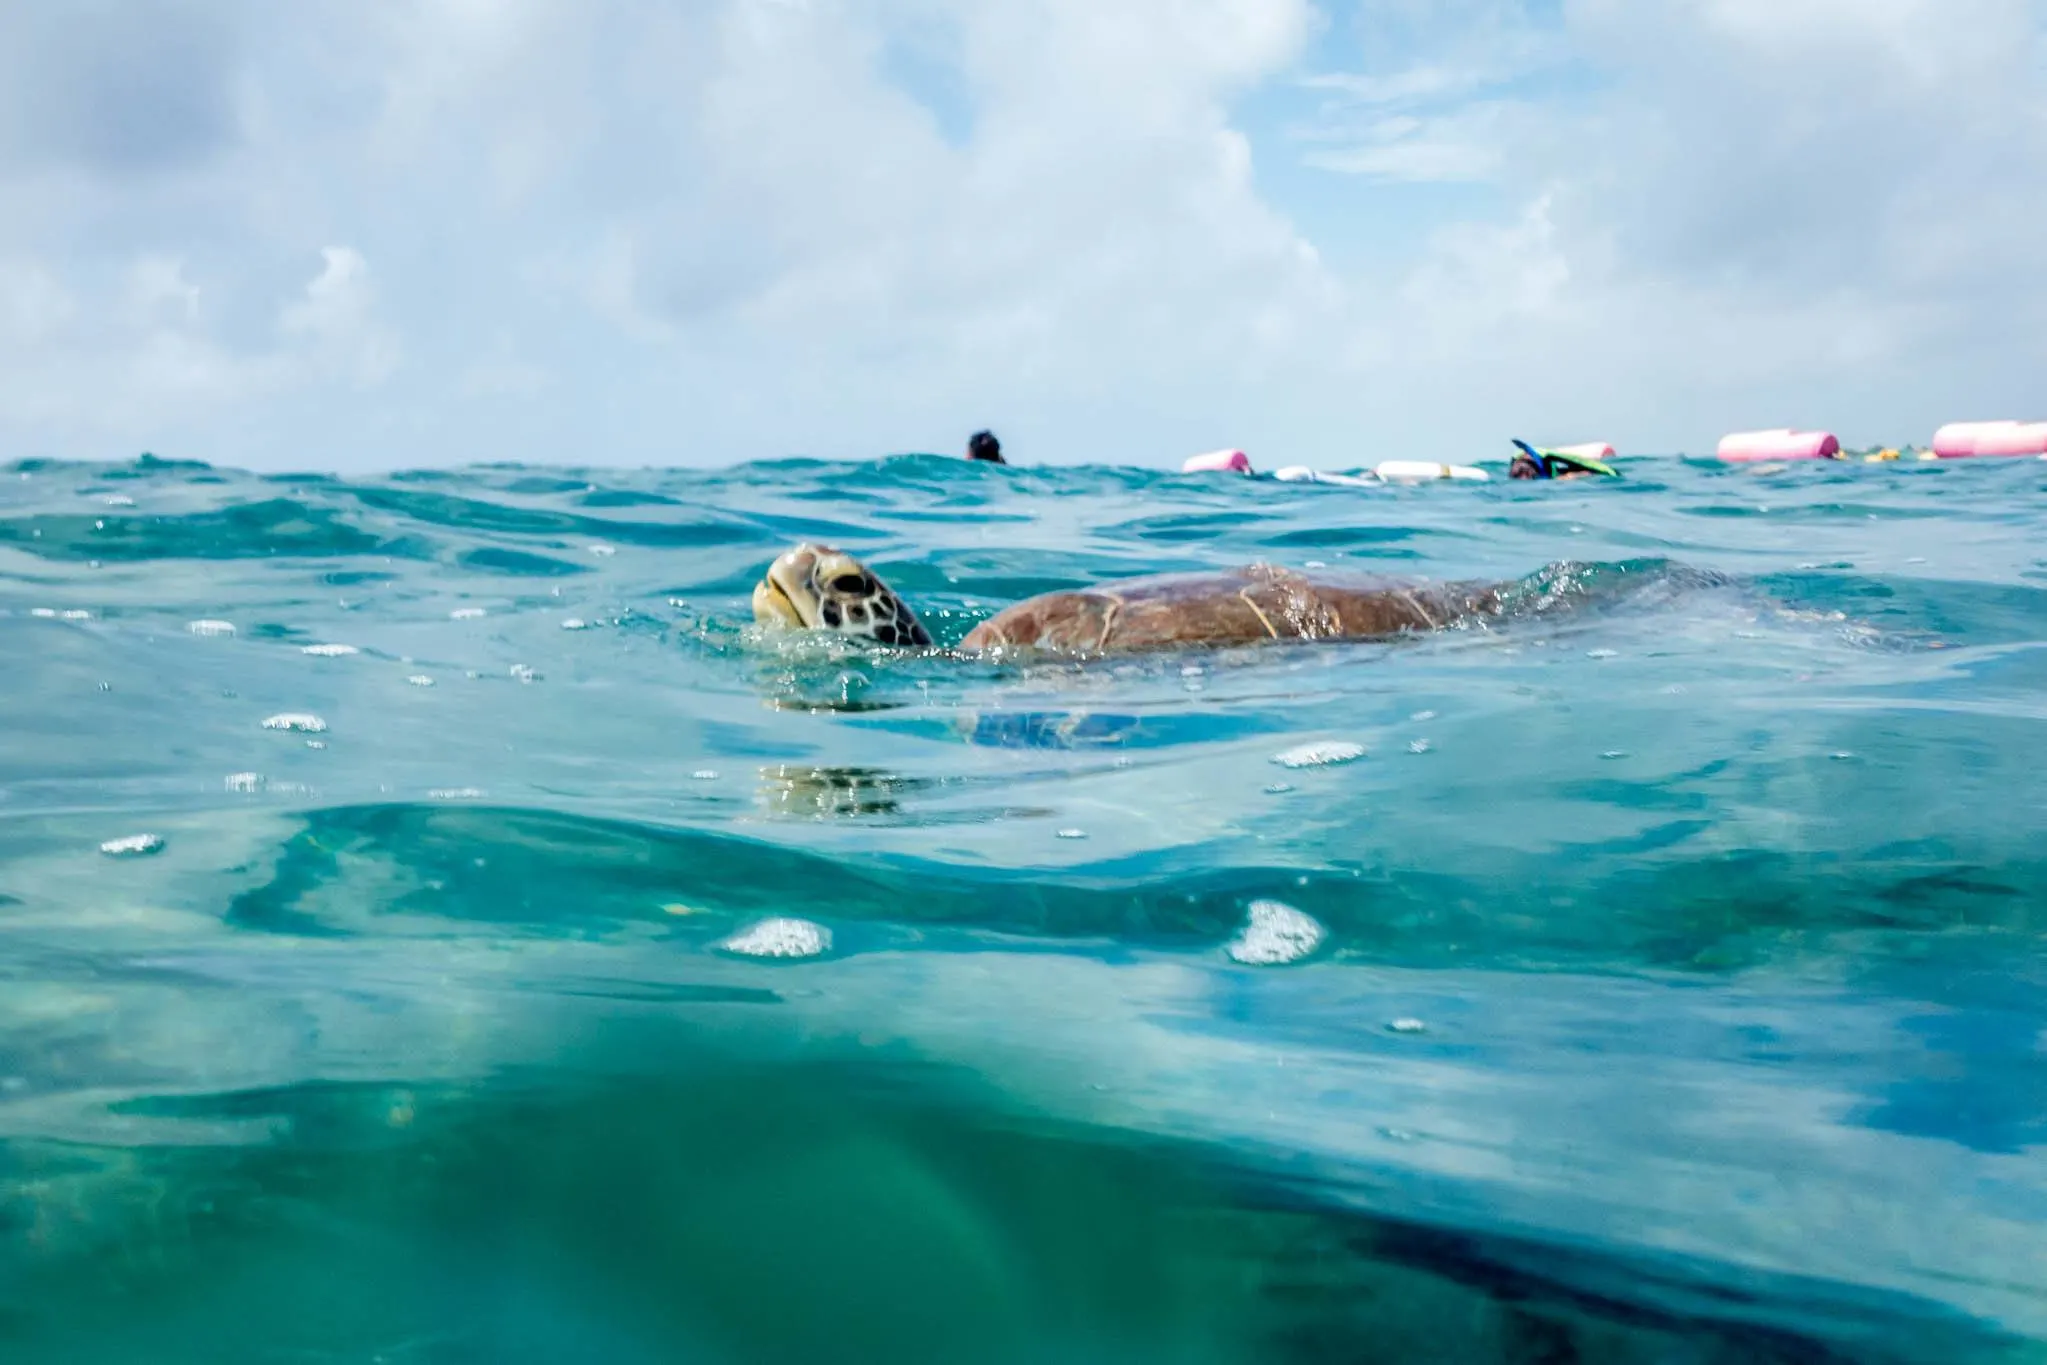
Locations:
{"points": [[1464, 146], [335, 315], [142, 351], [1426, 81], [1433, 100]]}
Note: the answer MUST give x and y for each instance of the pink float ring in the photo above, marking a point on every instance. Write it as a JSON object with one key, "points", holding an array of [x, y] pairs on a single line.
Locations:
{"points": [[1780, 444], [1218, 462], [1958, 440]]}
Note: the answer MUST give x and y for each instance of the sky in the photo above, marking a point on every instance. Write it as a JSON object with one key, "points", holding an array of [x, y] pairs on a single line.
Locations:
{"points": [[348, 236]]}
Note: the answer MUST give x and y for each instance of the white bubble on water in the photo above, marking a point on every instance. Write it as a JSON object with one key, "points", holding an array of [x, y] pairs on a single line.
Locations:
{"points": [[1276, 934], [304, 721], [455, 793], [45, 613], [1073, 834], [705, 775], [780, 937], [118, 500], [1611, 754], [316, 744], [1320, 755], [575, 623], [133, 846], [465, 613], [1407, 1025], [1419, 746], [1602, 654], [76, 615], [603, 551], [329, 651], [244, 783], [420, 680], [1422, 717], [210, 629], [523, 672], [1278, 788]]}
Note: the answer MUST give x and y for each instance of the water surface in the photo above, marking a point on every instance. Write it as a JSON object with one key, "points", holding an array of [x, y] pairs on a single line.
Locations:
{"points": [[1680, 993]]}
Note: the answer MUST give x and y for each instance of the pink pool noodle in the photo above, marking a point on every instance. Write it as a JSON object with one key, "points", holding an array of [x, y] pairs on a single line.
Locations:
{"points": [[1590, 450], [1780, 444], [1218, 462], [1958, 439]]}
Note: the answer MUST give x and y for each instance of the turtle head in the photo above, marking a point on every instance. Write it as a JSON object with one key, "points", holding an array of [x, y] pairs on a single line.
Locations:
{"points": [[814, 587]]}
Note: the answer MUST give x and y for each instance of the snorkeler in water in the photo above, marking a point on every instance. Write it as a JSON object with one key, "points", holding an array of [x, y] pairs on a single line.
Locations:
{"points": [[1530, 463], [983, 446]]}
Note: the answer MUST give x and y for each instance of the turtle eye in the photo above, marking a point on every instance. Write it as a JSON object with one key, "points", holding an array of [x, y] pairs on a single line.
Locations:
{"points": [[850, 583]]}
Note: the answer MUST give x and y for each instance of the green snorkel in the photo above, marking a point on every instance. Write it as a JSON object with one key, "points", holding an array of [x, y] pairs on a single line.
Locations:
{"points": [[1549, 461]]}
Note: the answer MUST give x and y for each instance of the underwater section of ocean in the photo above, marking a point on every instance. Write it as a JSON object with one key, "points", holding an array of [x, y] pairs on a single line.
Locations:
{"points": [[393, 872]]}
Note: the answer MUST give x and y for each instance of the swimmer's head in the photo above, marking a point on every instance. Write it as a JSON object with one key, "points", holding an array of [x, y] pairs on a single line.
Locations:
{"points": [[983, 446], [1529, 463]]}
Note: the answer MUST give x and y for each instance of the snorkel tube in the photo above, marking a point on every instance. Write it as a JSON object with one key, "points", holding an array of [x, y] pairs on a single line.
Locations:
{"points": [[1553, 464]]}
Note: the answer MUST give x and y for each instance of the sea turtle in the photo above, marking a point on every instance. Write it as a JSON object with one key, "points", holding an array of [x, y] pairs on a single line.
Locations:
{"points": [[815, 587]]}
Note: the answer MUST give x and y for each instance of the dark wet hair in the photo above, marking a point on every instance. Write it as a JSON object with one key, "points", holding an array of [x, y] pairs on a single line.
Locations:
{"points": [[982, 445]]}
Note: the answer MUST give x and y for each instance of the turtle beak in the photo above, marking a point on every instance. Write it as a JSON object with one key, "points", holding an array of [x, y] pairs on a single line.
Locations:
{"points": [[784, 591]]}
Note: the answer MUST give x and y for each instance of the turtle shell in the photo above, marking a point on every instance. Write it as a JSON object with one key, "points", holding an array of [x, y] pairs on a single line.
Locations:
{"points": [[1238, 607]]}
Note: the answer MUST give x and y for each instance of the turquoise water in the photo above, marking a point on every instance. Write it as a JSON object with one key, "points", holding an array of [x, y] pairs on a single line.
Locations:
{"points": [[1681, 994]]}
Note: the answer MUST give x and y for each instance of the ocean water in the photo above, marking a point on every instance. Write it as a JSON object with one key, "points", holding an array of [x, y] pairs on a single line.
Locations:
{"points": [[1654, 975]]}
